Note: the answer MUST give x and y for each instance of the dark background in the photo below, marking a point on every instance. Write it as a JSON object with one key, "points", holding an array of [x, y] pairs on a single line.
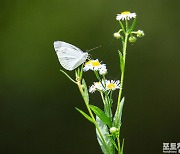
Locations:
{"points": [[37, 113]]}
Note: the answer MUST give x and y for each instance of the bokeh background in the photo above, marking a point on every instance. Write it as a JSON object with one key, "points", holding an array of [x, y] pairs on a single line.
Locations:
{"points": [[37, 102]]}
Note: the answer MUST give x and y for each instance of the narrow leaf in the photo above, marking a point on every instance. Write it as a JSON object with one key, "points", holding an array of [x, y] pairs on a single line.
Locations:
{"points": [[101, 115], [106, 147], [122, 147], [121, 61], [114, 143], [118, 115], [85, 115], [132, 26], [68, 76]]}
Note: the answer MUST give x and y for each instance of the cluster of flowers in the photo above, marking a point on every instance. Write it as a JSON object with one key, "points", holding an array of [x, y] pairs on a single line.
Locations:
{"points": [[95, 65], [127, 16], [104, 85]]}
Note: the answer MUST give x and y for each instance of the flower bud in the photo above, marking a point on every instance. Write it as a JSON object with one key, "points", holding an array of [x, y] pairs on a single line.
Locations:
{"points": [[92, 89], [132, 39], [117, 35], [140, 33], [103, 71], [113, 130]]}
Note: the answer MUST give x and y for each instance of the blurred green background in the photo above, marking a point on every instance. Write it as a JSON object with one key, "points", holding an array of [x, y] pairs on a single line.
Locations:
{"points": [[37, 113]]}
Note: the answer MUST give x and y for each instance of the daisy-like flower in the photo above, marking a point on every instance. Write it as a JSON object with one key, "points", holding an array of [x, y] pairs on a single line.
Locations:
{"points": [[87, 66], [125, 15], [93, 65], [112, 85], [96, 86]]}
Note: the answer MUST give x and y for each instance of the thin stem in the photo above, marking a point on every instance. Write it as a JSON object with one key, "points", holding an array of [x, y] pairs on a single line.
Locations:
{"points": [[133, 32], [110, 104], [127, 26], [110, 98], [122, 26], [122, 73], [118, 141], [97, 76], [99, 79], [92, 116], [122, 79], [104, 78], [103, 83], [102, 98]]}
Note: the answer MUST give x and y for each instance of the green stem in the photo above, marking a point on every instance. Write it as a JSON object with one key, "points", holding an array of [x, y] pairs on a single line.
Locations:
{"points": [[110, 104], [99, 79], [103, 83], [92, 116], [110, 100], [119, 148], [122, 72], [122, 79], [127, 26], [102, 98]]}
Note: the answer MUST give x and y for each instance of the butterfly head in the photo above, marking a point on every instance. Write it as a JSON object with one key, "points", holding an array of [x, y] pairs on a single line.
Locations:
{"points": [[89, 57]]}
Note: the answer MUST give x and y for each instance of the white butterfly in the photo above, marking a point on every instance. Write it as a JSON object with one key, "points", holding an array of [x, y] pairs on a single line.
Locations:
{"points": [[70, 57]]}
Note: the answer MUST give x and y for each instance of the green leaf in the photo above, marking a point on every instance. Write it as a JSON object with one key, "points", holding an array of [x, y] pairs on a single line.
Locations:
{"points": [[132, 26], [85, 115], [122, 147], [121, 61], [101, 115], [118, 115], [68, 76], [79, 72], [114, 143], [106, 147], [86, 94]]}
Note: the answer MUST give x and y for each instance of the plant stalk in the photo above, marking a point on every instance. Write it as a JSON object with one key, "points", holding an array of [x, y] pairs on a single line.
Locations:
{"points": [[92, 116], [122, 71]]}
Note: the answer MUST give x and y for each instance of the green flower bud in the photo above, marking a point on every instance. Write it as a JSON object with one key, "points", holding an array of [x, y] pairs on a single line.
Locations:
{"points": [[113, 130], [132, 39], [117, 35], [140, 33]]}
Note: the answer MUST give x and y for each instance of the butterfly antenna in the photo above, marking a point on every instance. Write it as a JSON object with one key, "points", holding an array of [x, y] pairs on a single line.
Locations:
{"points": [[94, 48]]}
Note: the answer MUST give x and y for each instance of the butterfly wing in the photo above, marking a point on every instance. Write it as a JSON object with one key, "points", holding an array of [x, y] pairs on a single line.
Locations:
{"points": [[70, 57], [59, 44]]}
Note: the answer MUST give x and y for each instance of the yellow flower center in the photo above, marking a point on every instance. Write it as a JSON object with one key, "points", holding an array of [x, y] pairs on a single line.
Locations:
{"points": [[125, 12], [89, 62], [96, 63], [111, 86]]}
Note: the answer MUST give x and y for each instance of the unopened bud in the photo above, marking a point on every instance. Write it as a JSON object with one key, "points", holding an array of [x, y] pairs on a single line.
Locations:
{"points": [[103, 71], [117, 35], [113, 130], [132, 39], [140, 33]]}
